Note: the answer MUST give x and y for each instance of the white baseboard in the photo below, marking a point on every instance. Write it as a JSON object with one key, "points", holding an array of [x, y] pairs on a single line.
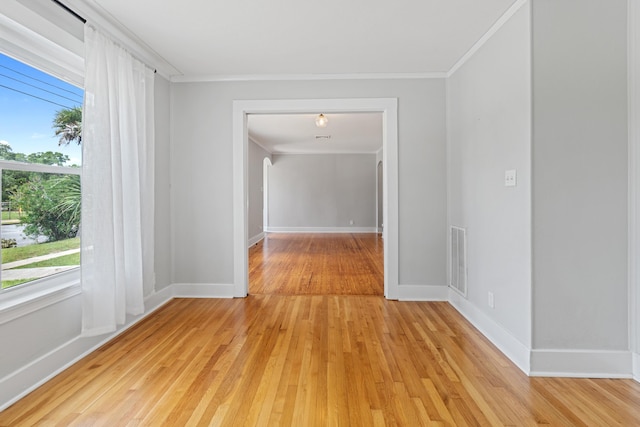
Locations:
{"points": [[322, 230], [581, 363], [32, 375], [511, 347], [255, 239], [422, 293], [636, 366], [203, 290]]}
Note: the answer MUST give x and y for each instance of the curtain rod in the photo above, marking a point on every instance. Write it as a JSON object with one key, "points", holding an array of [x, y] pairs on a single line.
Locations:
{"points": [[80, 18], [65, 7]]}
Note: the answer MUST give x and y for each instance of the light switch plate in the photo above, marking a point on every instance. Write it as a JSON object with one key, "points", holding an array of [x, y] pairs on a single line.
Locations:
{"points": [[510, 178]]}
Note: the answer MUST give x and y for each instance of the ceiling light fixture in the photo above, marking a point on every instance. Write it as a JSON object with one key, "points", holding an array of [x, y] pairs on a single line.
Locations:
{"points": [[321, 121]]}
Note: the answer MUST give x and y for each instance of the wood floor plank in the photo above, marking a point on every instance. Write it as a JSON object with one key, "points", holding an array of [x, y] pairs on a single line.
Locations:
{"points": [[282, 360], [314, 360], [317, 264]]}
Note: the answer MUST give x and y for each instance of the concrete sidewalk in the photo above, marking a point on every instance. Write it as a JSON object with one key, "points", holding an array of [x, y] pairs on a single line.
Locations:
{"points": [[28, 261], [10, 270], [33, 273]]}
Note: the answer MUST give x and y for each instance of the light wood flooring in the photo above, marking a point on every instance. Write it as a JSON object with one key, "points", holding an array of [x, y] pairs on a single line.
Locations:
{"points": [[273, 360], [317, 264]]}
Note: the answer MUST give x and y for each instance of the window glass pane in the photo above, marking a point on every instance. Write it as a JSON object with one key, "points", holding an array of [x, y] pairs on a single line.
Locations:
{"points": [[40, 116], [40, 123], [40, 225]]}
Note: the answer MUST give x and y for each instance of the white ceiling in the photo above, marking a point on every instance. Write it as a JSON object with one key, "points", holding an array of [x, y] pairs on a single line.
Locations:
{"points": [[297, 133], [291, 37], [238, 39]]}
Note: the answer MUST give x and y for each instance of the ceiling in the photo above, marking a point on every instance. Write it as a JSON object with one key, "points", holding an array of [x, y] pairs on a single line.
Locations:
{"points": [[293, 37], [298, 133], [258, 39]]}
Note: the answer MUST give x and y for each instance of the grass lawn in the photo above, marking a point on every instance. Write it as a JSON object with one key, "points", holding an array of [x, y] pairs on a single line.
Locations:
{"points": [[11, 215], [9, 283], [73, 259], [24, 252]]}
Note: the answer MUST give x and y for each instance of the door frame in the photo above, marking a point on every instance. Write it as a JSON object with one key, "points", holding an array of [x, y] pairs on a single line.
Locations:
{"points": [[633, 88], [389, 109]]}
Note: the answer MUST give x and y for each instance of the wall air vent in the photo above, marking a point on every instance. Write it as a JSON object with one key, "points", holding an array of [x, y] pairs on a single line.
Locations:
{"points": [[321, 137], [458, 260]]}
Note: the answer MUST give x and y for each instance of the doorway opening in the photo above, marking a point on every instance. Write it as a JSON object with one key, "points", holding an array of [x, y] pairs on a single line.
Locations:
{"points": [[386, 106], [318, 200]]}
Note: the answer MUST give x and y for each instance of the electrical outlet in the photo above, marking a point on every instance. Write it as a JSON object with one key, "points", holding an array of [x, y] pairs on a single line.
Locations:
{"points": [[350, 222], [510, 178], [491, 300]]}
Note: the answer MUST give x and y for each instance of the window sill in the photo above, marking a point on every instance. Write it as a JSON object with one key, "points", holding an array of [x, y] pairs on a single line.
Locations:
{"points": [[25, 299]]}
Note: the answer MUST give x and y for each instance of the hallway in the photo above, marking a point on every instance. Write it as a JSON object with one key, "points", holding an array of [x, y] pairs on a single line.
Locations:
{"points": [[317, 264]]}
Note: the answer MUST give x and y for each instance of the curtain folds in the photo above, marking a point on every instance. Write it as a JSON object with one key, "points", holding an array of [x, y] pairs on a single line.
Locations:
{"points": [[117, 184]]}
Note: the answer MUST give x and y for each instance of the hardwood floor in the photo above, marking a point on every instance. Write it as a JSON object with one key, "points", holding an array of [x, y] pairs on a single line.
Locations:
{"points": [[317, 264], [313, 361]]}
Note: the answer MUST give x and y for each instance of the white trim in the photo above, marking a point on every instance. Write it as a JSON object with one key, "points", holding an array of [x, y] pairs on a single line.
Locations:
{"points": [[422, 293], [494, 29], [29, 47], [322, 230], [389, 108], [509, 345], [37, 167], [581, 363], [325, 150], [255, 239], [633, 99], [203, 290], [38, 302], [32, 375], [303, 77], [636, 366], [22, 300]]}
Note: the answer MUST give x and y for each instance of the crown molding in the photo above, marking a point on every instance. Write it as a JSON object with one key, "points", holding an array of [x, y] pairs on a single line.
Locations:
{"points": [[98, 16], [494, 29], [303, 77]]}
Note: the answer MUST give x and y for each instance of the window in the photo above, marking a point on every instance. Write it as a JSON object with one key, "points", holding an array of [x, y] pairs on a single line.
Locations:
{"points": [[40, 159]]}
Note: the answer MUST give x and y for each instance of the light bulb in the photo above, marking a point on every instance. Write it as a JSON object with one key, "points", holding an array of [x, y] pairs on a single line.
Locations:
{"points": [[321, 121]]}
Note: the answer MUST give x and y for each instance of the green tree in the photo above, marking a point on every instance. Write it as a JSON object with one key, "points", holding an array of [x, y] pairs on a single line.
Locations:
{"points": [[51, 205], [12, 180], [67, 124], [48, 158], [6, 152]]}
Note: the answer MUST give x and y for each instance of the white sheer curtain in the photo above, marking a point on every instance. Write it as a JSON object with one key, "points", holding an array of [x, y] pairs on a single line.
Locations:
{"points": [[117, 184]]}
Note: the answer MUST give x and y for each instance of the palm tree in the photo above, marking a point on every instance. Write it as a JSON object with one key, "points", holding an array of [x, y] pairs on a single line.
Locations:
{"points": [[68, 125]]}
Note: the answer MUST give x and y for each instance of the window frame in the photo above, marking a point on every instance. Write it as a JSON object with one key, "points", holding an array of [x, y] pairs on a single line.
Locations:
{"points": [[30, 37], [33, 295]]}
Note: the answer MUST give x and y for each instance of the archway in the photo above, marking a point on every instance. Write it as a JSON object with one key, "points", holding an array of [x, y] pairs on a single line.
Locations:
{"points": [[380, 189], [266, 163]]}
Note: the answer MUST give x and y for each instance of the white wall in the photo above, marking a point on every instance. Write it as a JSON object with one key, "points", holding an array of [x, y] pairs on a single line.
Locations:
{"points": [[256, 156], [580, 176], [162, 184], [202, 173], [489, 131], [322, 190]]}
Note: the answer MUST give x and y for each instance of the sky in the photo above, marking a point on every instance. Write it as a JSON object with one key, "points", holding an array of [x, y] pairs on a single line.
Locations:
{"points": [[26, 116]]}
